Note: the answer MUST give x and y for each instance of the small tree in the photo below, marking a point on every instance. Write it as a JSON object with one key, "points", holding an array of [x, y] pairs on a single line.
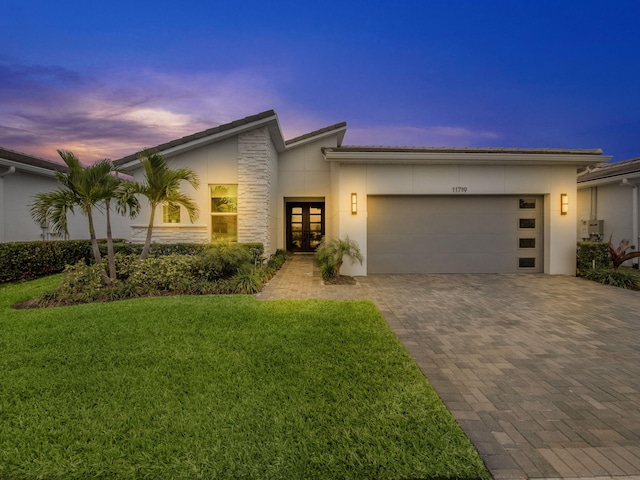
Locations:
{"points": [[331, 252], [162, 187], [620, 255], [86, 188]]}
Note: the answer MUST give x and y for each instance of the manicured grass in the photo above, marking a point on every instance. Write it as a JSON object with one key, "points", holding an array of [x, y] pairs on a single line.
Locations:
{"points": [[216, 387]]}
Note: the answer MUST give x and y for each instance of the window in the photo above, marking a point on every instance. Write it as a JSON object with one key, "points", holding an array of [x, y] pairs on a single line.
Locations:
{"points": [[527, 203], [527, 223], [527, 263], [527, 243], [224, 213], [171, 214]]}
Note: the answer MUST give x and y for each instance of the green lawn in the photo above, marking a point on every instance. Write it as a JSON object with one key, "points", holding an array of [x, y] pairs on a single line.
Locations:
{"points": [[216, 387]]}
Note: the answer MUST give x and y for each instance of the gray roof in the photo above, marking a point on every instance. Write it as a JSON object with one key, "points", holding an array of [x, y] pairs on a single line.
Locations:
{"points": [[533, 151], [202, 134], [230, 126], [315, 133], [30, 160], [606, 170]]}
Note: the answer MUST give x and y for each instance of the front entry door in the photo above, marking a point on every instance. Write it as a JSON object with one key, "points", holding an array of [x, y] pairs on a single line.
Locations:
{"points": [[305, 226]]}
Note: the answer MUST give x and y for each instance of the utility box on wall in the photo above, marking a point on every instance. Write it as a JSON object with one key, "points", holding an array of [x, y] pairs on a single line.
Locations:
{"points": [[596, 230]]}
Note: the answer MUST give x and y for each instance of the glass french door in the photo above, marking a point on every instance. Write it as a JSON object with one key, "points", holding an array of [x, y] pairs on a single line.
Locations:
{"points": [[305, 226]]}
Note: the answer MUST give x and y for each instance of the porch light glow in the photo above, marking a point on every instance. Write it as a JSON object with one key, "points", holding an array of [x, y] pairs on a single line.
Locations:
{"points": [[564, 204], [354, 203]]}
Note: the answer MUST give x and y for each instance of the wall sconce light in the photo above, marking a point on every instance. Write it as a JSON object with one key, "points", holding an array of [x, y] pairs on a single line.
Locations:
{"points": [[564, 204], [354, 203]]}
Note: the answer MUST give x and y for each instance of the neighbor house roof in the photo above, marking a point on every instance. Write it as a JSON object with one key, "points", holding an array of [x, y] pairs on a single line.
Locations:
{"points": [[462, 155], [29, 163], [610, 172]]}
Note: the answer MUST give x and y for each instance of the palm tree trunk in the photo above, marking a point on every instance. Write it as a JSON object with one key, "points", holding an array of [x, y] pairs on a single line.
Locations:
{"points": [[96, 250], [147, 242], [110, 253]]}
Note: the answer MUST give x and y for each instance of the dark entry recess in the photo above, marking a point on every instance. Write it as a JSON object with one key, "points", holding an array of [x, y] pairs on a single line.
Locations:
{"points": [[305, 226]]}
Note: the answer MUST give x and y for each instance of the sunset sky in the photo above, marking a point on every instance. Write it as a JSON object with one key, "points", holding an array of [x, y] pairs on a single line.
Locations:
{"points": [[105, 79]]}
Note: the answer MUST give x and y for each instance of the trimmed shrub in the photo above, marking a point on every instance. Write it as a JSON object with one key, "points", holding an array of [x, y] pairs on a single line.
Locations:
{"points": [[221, 268], [621, 277], [29, 260], [590, 253], [277, 259], [223, 260]]}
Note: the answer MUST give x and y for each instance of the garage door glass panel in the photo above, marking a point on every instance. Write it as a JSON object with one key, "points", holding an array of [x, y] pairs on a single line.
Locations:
{"points": [[527, 223], [527, 203], [528, 262], [527, 243]]}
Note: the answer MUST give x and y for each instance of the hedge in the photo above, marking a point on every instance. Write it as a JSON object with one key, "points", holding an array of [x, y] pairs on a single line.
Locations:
{"points": [[29, 260]]}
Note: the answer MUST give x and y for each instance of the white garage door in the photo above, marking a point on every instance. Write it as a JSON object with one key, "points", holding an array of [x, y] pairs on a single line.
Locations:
{"points": [[454, 234]]}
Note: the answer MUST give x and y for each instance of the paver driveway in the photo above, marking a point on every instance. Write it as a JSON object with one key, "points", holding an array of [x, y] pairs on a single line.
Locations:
{"points": [[542, 372]]}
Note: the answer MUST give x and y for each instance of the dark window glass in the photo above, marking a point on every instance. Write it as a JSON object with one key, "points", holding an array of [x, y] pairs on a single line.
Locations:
{"points": [[527, 262], [527, 243], [527, 203], [527, 222]]}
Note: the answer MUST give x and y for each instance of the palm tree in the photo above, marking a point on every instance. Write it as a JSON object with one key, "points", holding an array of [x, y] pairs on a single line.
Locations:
{"points": [[162, 187], [126, 204], [86, 188]]}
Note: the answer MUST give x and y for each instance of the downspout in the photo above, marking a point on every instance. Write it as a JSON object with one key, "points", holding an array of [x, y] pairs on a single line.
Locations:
{"points": [[2, 202], [634, 210], [8, 172], [634, 213]]}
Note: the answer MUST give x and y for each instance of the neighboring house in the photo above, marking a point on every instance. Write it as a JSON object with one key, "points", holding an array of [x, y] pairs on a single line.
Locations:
{"points": [[21, 177], [412, 210], [608, 202]]}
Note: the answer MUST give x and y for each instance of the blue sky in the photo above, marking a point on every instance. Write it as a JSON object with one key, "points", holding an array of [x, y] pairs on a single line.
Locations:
{"points": [[105, 79]]}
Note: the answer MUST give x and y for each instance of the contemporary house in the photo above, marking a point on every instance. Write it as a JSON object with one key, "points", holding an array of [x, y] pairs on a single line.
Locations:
{"points": [[412, 210], [21, 177], [608, 202]]}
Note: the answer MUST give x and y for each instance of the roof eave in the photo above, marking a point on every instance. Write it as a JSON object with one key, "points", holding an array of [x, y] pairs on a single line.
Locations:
{"points": [[25, 167], [635, 176], [339, 132], [461, 158]]}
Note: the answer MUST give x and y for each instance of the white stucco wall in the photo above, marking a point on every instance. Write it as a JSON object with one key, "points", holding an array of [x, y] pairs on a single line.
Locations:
{"points": [[304, 175], [550, 181], [216, 163], [17, 193], [612, 203]]}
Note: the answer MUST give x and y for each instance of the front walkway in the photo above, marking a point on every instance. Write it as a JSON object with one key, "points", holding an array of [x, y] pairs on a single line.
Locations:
{"points": [[542, 372]]}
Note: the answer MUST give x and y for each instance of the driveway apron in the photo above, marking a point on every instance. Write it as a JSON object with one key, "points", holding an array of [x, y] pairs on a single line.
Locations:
{"points": [[541, 372]]}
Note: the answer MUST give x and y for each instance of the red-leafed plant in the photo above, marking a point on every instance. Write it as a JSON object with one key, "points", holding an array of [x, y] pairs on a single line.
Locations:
{"points": [[620, 255]]}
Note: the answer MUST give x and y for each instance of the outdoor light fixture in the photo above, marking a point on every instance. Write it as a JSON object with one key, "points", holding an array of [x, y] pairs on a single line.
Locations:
{"points": [[354, 203], [564, 204]]}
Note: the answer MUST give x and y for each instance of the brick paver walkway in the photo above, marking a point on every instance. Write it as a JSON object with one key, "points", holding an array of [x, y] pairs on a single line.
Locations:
{"points": [[542, 372]]}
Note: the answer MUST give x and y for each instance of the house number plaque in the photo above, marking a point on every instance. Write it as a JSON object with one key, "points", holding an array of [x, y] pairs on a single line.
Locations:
{"points": [[459, 189]]}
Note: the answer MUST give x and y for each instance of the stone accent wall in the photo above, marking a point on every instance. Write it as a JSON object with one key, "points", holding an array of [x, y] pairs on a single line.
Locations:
{"points": [[171, 234], [254, 184]]}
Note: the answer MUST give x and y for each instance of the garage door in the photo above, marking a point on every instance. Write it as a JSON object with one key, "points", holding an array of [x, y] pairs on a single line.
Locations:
{"points": [[454, 234]]}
